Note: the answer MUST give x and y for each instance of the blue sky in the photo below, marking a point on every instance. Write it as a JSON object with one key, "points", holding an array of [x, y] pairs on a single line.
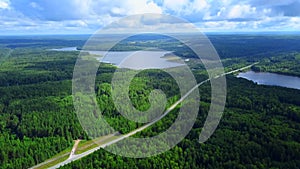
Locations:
{"points": [[87, 16]]}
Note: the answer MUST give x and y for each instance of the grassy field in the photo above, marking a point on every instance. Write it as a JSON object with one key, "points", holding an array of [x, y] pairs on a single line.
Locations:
{"points": [[52, 162], [86, 145], [83, 146]]}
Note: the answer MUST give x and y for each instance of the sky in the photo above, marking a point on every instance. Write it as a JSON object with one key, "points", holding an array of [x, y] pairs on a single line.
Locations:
{"points": [[87, 16]]}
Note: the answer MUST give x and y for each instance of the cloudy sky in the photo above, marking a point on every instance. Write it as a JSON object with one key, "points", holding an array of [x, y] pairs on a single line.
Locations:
{"points": [[87, 16]]}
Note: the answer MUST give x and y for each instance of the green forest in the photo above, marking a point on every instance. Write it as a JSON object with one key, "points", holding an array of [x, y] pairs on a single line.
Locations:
{"points": [[260, 127]]}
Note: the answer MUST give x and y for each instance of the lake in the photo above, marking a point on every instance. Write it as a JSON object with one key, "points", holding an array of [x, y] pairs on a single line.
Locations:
{"points": [[66, 49], [133, 59], [271, 79]]}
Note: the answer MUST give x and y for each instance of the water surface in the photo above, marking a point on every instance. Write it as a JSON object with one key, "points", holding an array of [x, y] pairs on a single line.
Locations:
{"points": [[66, 49], [133, 59], [272, 79]]}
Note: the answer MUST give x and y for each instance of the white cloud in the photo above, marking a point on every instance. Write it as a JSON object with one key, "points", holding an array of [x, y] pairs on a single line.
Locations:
{"points": [[36, 6], [295, 23], [221, 11], [199, 5], [149, 23], [241, 11], [124, 7], [141, 6], [175, 5], [186, 7], [90, 15], [218, 25], [4, 4]]}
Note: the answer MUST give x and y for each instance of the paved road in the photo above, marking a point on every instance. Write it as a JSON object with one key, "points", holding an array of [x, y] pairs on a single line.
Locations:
{"points": [[243, 68], [78, 156]]}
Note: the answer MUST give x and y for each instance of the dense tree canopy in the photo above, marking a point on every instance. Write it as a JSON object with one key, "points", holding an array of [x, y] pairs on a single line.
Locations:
{"points": [[259, 128]]}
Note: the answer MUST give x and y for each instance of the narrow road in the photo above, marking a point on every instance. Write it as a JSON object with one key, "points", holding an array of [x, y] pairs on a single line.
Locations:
{"points": [[243, 68], [74, 148], [78, 156]]}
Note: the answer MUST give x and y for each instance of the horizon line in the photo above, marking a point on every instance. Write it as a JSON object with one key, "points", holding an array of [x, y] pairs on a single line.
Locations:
{"points": [[205, 32]]}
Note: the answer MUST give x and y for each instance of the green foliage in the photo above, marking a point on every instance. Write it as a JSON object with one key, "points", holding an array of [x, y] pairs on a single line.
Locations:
{"points": [[288, 64], [259, 129], [262, 132], [36, 110], [26, 152]]}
